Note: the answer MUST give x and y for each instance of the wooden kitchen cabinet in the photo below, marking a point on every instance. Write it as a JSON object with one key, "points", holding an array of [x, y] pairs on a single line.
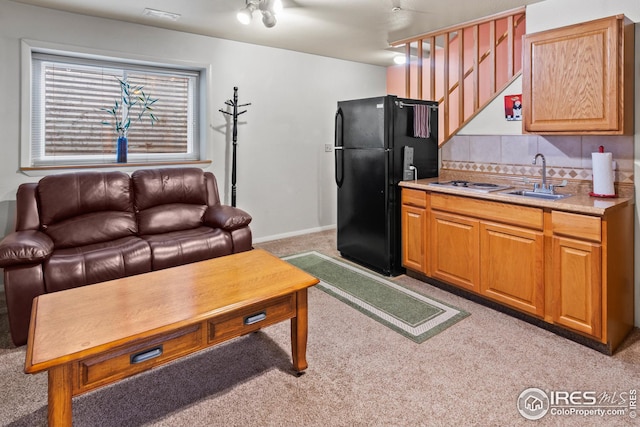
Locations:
{"points": [[414, 230], [455, 249], [593, 273], [512, 272], [493, 249], [577, 272], [577, 285], [579, 79], [572, 270]]}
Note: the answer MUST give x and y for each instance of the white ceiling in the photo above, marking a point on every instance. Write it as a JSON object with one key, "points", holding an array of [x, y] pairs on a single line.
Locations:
{"points": [[355, 30]]}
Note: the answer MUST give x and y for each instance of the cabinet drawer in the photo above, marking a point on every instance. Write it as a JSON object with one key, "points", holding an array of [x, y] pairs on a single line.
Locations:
{"points": [[493, 211], [132, 359], [576, 225], [252, 318], [414, 198]]}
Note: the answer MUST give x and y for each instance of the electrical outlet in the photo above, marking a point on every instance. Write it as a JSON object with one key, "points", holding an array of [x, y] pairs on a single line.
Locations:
{"points": [[328, 148]]}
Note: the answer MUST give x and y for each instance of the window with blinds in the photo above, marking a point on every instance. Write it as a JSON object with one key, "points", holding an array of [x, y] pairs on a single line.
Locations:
{"points": [[69, 96]]}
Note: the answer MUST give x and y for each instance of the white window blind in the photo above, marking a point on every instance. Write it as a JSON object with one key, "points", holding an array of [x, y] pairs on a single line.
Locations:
{"points": [[68, 98]]}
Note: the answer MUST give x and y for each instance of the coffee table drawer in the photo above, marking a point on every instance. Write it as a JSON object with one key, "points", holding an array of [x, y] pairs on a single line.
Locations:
{"points": [[252, 318], [139, 357]]}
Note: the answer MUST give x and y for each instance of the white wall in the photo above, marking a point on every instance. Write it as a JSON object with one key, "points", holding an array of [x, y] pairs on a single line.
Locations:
{"points": [[285, 179], [485, 123], [559, 13]]}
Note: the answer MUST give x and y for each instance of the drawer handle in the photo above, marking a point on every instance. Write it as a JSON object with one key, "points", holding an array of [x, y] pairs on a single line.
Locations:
{"points": [[146, 355], [255, 318]]}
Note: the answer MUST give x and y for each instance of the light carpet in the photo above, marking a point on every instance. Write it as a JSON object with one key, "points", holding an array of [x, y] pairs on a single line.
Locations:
{"points": [[409, 313]]}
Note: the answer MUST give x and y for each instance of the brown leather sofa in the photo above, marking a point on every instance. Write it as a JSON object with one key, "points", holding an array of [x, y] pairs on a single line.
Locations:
{"points": [[82, 228]]}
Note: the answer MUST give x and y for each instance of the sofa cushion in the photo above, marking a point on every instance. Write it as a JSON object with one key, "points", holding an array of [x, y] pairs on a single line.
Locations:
{"points": [[169, 200], [154, 187], [86, 207], [72, 267], [183, 247], [92, 228], [73, 194], [170, 217]]}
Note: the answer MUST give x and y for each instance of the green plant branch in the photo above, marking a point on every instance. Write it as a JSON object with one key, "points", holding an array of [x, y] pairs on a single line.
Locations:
{"points": [[130, 98]]}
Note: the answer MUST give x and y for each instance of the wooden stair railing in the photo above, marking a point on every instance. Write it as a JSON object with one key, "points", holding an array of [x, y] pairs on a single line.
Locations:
{"points": [[508, 67]]}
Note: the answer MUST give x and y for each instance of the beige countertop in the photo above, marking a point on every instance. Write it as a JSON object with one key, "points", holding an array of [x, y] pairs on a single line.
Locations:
{"points": [[578, 202]]}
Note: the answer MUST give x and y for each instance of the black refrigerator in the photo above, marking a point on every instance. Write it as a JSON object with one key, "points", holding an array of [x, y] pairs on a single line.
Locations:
{"points": [[376, 147]]}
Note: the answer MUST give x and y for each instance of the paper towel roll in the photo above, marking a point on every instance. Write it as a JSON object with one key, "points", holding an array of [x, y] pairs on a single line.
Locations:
{"points": [[602, 174]]}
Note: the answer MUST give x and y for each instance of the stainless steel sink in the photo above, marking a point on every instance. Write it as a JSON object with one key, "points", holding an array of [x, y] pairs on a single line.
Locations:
{"points": [[537, 195]]}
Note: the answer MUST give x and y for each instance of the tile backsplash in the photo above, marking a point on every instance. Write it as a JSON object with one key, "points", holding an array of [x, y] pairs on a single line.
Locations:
{"points": [[567, 157]]}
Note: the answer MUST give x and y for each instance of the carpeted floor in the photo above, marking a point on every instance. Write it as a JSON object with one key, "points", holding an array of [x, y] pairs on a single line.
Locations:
{"points": [[360, 373]]}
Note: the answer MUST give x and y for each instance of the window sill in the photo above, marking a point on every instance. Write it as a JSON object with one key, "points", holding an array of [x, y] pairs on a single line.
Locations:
{"points": [[45, 170]]}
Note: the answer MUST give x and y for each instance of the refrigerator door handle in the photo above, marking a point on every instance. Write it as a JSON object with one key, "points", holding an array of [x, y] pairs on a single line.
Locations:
{"points": [[338, 154]]}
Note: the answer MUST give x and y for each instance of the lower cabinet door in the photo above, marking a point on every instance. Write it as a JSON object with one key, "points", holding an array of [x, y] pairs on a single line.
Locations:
{"points": [[455, 249], [577, 285], [512, 266], [414, 238]]}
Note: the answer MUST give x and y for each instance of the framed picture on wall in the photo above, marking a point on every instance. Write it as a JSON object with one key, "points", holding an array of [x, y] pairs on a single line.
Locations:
{"points": [[513, 107]]}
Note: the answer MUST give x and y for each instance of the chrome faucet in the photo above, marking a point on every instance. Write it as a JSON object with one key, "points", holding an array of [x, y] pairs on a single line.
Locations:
{"points": [[544, 188]]}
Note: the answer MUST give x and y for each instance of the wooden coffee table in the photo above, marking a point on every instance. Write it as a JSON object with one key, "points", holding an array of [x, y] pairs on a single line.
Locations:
{"points": [[96, 335]]}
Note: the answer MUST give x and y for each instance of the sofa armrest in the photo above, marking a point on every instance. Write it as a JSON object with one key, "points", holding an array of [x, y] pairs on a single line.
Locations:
{"points": [[25, 247], [226, 217]]}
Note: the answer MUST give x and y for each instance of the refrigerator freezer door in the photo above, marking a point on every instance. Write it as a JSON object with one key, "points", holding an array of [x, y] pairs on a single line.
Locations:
{"points": [[363, 208], [363, 123]]}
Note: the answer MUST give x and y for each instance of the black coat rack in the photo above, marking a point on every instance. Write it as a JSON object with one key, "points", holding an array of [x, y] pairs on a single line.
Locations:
{"points": [[234, 103]]}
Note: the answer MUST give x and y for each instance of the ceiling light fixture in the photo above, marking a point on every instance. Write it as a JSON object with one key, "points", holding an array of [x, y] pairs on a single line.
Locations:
{"points": [[268, 8], [244, 15], [400, 59]]}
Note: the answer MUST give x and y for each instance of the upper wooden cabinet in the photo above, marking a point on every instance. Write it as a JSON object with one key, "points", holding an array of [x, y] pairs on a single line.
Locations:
{"points": [[579, 79]]}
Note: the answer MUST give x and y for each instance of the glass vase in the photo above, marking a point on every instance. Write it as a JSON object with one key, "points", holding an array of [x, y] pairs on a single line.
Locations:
{"points": [[121, 150]]}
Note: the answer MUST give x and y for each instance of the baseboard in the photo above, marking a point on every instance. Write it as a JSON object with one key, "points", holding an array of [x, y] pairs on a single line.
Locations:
{"points": [[293, 234]]}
